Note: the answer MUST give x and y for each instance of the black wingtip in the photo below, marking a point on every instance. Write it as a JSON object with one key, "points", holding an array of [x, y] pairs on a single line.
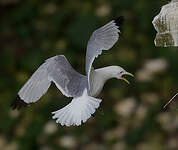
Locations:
{"points": [[119, 21], [18, 103]]}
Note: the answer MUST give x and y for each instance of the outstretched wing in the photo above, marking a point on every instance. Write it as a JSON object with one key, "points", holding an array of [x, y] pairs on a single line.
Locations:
{"points": [[56, 69], [102, 39]]}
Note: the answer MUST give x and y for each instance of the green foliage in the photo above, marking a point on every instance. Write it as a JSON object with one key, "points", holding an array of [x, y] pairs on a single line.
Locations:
{"points": [[32, 31]]}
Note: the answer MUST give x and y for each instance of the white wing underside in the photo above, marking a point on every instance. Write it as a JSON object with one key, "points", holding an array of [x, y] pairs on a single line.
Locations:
{"points": [[101, 39], [58, 70]]}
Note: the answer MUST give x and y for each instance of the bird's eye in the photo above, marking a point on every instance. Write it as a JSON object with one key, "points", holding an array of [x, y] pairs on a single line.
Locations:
{"points": [[121, 72]]}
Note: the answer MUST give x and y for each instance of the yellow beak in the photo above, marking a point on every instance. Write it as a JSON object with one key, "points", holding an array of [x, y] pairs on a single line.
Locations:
{"points": [[129, 74]]}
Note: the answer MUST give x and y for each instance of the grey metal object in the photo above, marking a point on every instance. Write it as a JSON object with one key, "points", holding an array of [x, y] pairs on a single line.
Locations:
{"points": [[166, 25]]}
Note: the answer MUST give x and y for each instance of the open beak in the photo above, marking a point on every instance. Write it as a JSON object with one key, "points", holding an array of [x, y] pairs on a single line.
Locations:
{"points": [[129, 74]]}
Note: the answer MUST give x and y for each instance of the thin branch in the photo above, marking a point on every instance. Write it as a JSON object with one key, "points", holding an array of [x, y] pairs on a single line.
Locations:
{"points": [[170, 100]]}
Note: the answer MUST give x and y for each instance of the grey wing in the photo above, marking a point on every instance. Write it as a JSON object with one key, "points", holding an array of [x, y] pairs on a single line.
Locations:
{"points": [[102, 39], [68, 81], [56, 69], [36, 86]]}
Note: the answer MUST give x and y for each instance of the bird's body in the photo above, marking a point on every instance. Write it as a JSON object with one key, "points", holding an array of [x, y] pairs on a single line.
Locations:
{"points": [[82, 88], [99, 77], [96, 83]]}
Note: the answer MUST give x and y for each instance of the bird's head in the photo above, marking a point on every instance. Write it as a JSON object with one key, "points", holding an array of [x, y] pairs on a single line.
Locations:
{"points": [[121, 73]]}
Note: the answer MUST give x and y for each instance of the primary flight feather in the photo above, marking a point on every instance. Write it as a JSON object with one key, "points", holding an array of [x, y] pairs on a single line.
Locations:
{"points": [[83, 89]]}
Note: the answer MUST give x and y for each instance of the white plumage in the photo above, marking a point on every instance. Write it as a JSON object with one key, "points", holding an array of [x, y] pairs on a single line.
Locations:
{"points": [[82, 88], [79, 110]]}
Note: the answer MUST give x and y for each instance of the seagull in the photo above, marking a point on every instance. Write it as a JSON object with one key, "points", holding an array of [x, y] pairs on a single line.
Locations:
{"points": [[82, 88]]}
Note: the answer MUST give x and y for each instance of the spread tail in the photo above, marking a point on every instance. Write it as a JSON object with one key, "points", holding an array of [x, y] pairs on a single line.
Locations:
{"points": [[79, 110]]}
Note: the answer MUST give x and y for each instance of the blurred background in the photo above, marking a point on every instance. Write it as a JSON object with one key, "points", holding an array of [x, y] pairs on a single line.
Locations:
{"points": [[131, 117]]}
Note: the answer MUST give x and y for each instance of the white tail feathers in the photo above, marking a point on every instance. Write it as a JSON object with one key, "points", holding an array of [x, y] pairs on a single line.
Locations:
{"points": [[78, 111]]}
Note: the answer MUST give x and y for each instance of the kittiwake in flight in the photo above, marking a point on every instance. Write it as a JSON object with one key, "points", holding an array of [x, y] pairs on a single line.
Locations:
{"points": [[82, 88]]}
